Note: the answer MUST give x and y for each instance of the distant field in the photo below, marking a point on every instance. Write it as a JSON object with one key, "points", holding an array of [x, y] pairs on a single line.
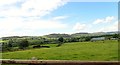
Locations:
{"points": [[91, 51], [3, 41]]}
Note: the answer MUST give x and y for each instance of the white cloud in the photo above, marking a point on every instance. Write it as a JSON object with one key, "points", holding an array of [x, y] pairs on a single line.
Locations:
{"points": [[105, 20], [16, 26], [44, 24], [94, 0], [12, 13], [60, 17], [14, 23], [113, 27], [6, 2], [98, 21], [79, 26], [29, 7]]}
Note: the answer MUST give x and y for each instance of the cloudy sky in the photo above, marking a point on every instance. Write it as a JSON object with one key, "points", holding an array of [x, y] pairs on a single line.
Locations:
{"points": [[41, 17]]}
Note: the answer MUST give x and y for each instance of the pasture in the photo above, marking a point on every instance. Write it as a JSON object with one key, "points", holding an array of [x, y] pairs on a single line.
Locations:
{"points": [[84, 51], [2, 41]]}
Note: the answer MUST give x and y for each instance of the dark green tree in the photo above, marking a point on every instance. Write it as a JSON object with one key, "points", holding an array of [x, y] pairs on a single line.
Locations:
{"points": [[4, 47], [23, 44], [87, 38], [10, 42], [60, 40], [115, 36], [74, 39]]}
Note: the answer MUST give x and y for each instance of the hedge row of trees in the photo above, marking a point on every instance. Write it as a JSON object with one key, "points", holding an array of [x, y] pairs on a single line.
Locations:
{"points": [[10, 45], [24, 43]]}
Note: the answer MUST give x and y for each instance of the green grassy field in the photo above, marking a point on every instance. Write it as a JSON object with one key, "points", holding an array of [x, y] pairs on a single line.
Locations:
{"points": [[89, 51], [3, 41]]}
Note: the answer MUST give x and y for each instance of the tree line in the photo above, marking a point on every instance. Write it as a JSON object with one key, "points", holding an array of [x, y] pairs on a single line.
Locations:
{"points": [[13, 44]]}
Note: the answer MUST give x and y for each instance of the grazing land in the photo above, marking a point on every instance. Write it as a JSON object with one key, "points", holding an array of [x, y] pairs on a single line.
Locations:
{"points": [[84, 51]]}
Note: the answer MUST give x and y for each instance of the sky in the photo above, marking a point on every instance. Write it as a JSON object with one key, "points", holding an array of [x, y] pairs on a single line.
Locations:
{"points": [[42, 17]]}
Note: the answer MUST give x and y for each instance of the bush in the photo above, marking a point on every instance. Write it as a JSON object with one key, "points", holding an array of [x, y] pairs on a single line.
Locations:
{"points": [[23, 44]]}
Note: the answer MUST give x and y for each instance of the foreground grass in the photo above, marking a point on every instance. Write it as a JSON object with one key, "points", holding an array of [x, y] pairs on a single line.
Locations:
{"points": [[89, 51]]}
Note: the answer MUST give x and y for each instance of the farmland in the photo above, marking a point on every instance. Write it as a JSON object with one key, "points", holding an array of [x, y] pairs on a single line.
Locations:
{"points": [[91, 51]]}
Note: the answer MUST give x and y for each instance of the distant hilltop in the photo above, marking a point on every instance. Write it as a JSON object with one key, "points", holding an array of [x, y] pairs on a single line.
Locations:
{"points": [[57, 35]]}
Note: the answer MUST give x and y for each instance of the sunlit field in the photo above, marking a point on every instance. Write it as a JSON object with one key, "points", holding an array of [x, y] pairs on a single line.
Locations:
{"points": [[92, 51]]}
